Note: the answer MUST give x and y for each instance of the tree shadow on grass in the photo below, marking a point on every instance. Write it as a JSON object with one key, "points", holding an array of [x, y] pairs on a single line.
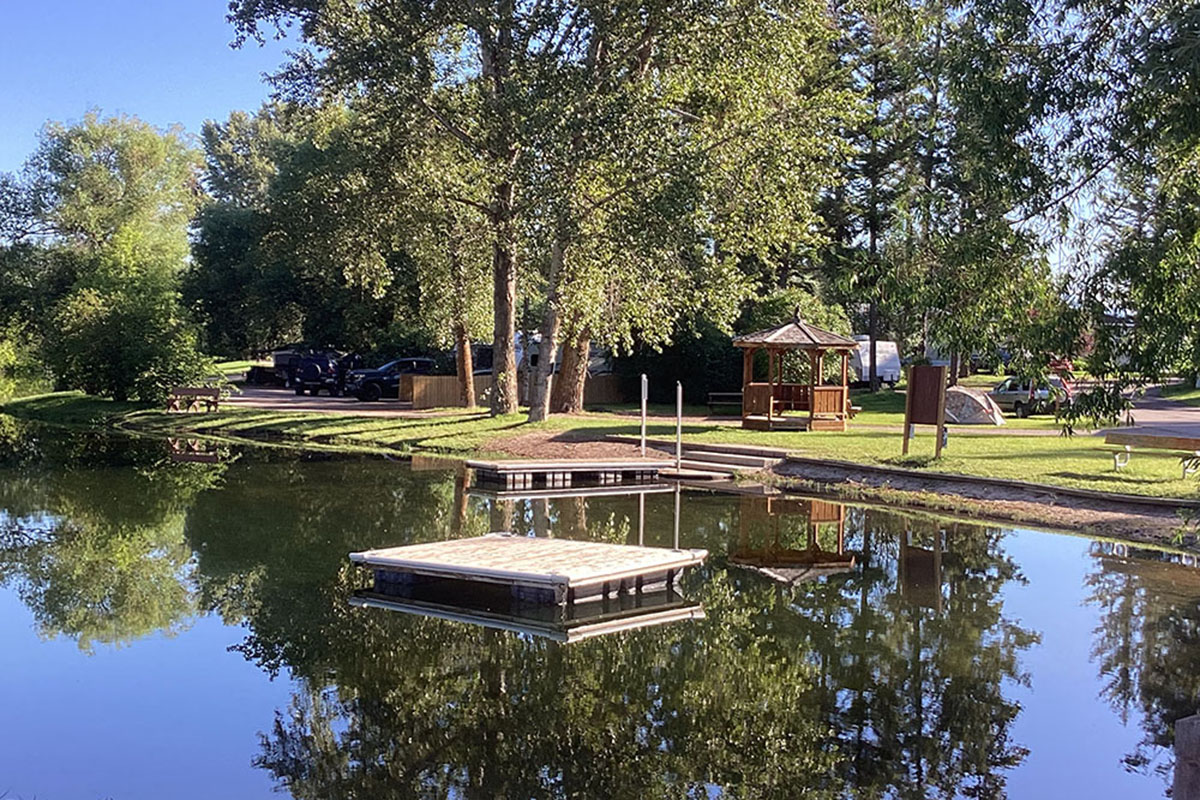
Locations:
{"points": [[1112, 478]]}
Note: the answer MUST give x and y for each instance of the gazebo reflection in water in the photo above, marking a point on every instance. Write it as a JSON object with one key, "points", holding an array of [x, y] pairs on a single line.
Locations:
{"points": [[768, 544]]}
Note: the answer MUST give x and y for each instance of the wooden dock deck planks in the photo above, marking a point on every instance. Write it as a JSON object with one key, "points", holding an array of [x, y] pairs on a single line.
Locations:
{"points": [[563, 565]]}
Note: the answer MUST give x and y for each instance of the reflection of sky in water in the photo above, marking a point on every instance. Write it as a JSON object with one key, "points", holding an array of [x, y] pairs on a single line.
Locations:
{"points": [[161, 718], [180, 716], [1075, 739]]}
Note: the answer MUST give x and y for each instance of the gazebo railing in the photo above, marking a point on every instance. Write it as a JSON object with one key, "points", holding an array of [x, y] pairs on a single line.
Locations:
{"points": [[791, 396], [760, 399], [830, 401], [757, 400]]}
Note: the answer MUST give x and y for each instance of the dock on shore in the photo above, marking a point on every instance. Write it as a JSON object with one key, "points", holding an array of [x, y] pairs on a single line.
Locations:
{"points": [[562, 473]]}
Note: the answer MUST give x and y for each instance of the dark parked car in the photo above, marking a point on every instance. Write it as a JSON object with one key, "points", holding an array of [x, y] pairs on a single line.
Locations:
{"points": [[372, 384], [316, 372]]}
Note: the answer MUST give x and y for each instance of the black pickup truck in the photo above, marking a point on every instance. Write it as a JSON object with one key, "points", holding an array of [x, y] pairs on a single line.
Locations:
{"points": [[372, 384]]}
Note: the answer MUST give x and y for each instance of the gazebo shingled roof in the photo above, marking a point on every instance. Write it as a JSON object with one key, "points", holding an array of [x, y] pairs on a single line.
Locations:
{"points": [[796, 335]]}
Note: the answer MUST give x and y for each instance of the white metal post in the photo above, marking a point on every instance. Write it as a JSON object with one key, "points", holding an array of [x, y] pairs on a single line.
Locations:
{"points": [[678, 424], [645, 393], [641, 519], [677, 493]]}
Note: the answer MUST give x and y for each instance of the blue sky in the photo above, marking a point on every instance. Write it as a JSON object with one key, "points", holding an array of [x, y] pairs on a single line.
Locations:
{"points": [[165, 61]]}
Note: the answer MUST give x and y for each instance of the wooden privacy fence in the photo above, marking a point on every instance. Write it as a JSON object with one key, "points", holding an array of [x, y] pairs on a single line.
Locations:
{"points": [[608, 389], [438, 391]]}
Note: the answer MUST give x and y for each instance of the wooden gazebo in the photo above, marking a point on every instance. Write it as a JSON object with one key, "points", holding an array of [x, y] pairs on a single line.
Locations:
{"points": [[763, 403]]}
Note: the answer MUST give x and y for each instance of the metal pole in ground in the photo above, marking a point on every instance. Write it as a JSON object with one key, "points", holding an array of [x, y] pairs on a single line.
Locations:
{"points": [[678, 424], [641, 519], [678, 491], [645, 392]]}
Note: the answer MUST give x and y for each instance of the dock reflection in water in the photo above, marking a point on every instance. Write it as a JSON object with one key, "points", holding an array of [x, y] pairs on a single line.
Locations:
{"points": [[495, 607]]}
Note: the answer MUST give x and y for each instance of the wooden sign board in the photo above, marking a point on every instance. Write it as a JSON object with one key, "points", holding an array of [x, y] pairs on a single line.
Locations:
{"points": [[925, 403]]}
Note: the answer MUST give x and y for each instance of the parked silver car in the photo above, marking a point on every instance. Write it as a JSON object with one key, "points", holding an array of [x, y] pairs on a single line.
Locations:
{"points": [[1022, 399]]}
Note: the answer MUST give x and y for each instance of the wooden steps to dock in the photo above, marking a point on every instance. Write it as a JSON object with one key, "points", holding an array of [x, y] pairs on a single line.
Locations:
{"points": [[721, 463], [711, 462], [558, 571]]}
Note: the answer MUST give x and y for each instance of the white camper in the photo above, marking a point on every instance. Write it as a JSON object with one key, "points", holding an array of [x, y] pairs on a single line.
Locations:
{"points": [[887, 360]]}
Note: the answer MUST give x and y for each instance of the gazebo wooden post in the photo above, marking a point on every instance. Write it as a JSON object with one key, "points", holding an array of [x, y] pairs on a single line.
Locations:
{"points": [[845, 387], [812, 387], [779, 380], [770, 384], [747, 374]]}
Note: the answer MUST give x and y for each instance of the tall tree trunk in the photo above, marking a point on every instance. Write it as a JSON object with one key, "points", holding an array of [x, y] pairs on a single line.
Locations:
{"points": [[466, 365], [873, 334], [954, 368], [539, 397], [873, 224], [568, 389], [504, 277]]}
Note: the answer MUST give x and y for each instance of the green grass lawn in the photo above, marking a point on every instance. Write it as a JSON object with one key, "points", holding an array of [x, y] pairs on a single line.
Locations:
{"points": [[1080, 461], [886, 407], [1182, 393], [68, 408], [236, 370]]}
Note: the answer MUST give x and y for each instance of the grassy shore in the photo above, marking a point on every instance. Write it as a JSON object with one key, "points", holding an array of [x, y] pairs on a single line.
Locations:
{"points": [[1182, 393], [1080, 461]]}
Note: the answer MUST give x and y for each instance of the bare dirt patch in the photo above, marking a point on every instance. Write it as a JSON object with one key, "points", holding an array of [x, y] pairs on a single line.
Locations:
{"points": [[563, 444]]}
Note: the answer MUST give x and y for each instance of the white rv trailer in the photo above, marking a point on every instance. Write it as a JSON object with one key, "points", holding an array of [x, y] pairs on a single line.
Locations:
{"points": [[887, 360]]}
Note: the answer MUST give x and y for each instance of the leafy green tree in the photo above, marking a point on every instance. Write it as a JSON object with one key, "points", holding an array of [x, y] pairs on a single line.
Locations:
{"points": [[1135, 86], [563, 107], [950, 168], [863, 212], [111, 200]]}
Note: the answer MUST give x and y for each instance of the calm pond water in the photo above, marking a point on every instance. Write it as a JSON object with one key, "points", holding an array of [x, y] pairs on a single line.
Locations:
{"points": [[177, 629]]}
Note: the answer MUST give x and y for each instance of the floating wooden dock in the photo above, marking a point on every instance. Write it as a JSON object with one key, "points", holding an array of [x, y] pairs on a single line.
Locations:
{"points": [[512, 475], [574, 491], [559, 571], [557, 623]]}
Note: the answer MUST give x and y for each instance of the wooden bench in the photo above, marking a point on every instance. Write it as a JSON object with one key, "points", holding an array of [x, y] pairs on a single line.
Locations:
{"points": [[1187, 446], [725, 400], [190, 398]]}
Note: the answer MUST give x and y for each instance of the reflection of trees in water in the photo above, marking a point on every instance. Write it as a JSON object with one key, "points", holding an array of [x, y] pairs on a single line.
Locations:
{"points": [[857, 684], [922, 693], [272, 544], [91, 534], [1147, 645], [844, 685], [422, 708]]}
